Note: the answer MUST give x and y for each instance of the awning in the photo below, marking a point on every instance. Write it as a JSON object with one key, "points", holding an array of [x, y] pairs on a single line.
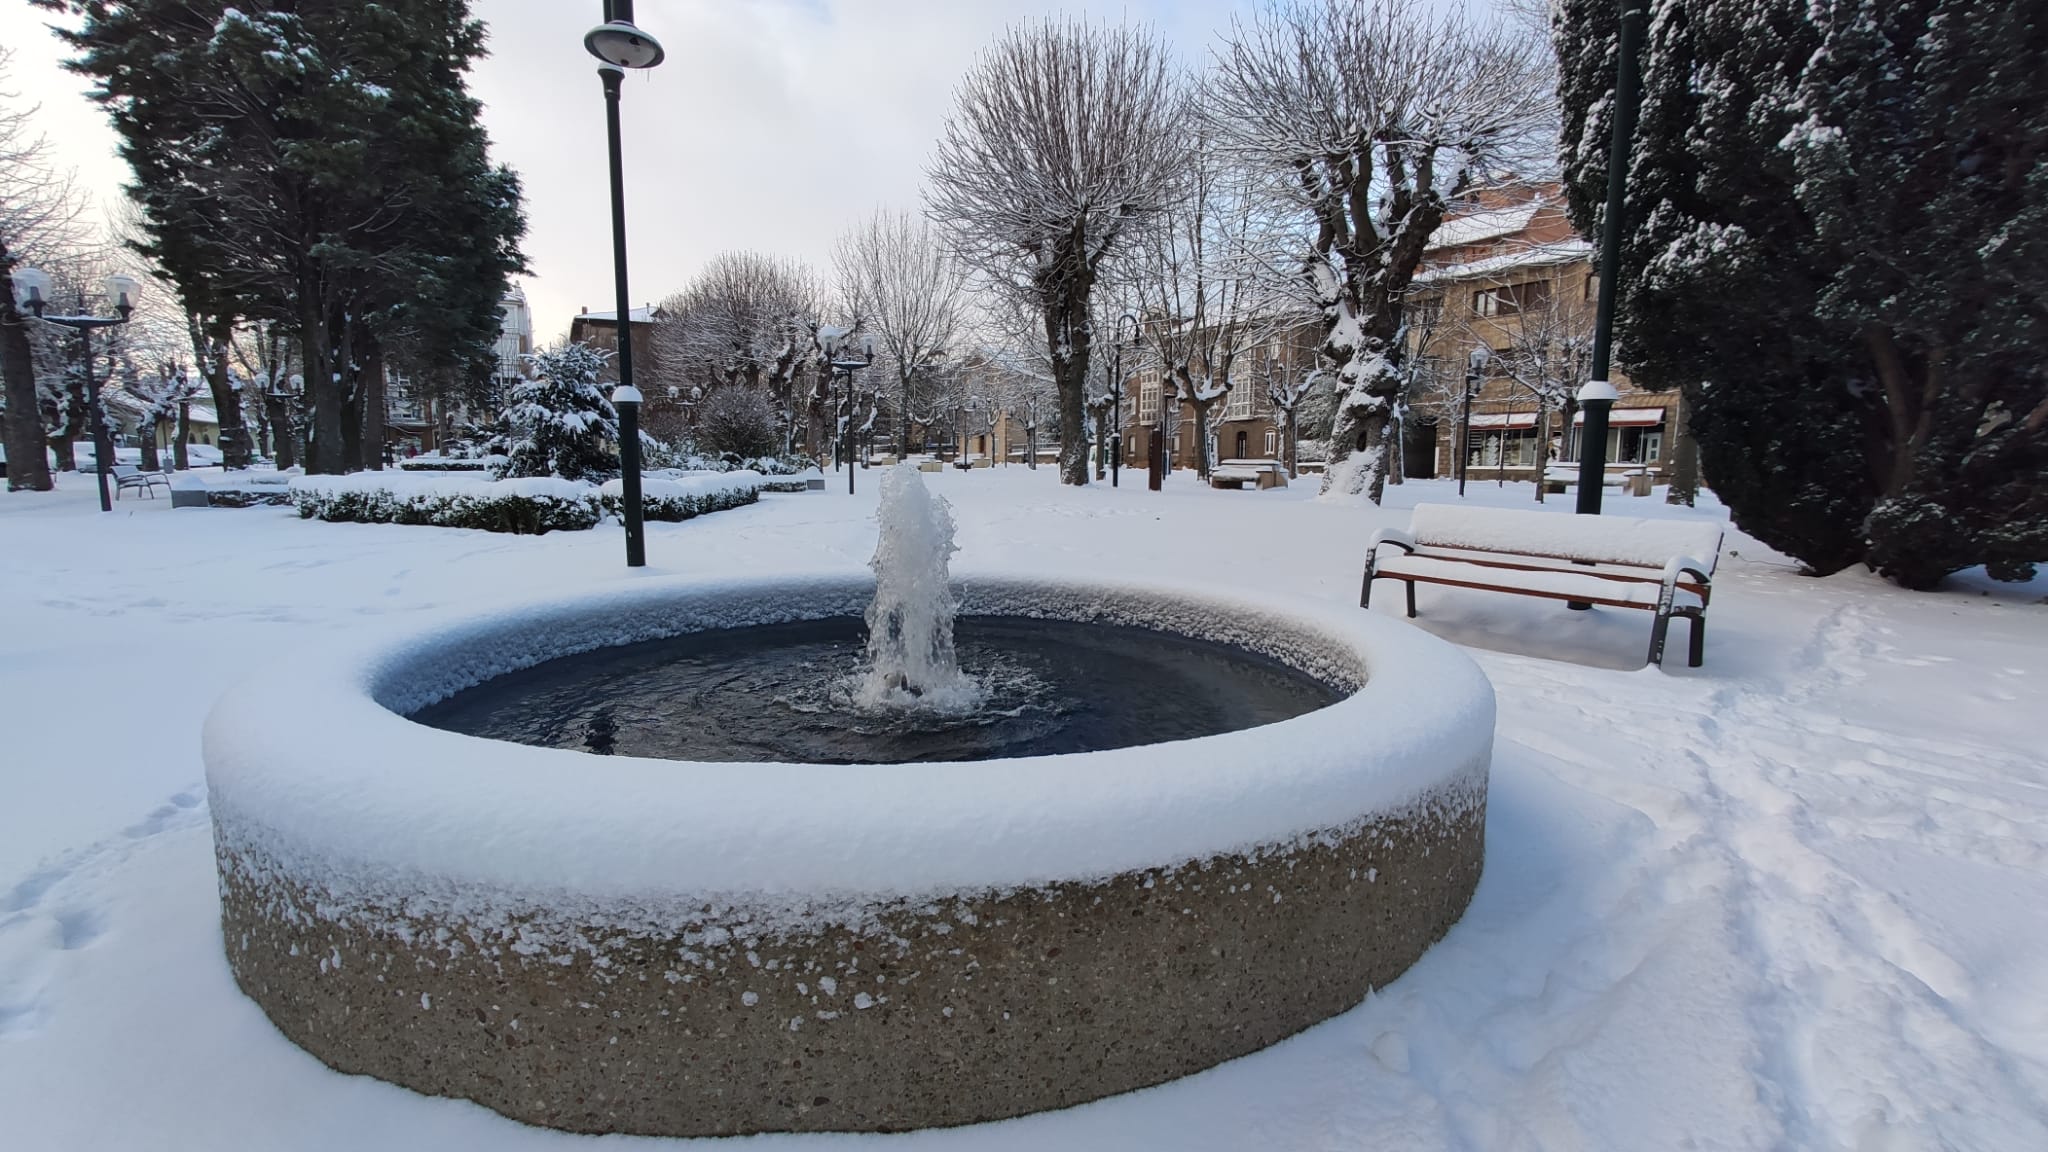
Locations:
{"points": [[1503, 420], [1629, 417]]}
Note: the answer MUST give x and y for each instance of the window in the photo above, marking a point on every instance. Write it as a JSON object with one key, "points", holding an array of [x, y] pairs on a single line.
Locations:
{"points": [[1243, 445], [1426, 313], [1148, 402], [1239, 406], [1272, 441], [1501, 448], [1511, 299], [1592, 287]]}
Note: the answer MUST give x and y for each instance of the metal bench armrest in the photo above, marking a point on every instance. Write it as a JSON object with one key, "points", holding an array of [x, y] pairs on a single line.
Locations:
{"points": [[1394, 536], [1685, 566]]}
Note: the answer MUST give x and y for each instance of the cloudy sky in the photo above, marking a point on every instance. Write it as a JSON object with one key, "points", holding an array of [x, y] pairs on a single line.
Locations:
{"points": [[773, 124]]}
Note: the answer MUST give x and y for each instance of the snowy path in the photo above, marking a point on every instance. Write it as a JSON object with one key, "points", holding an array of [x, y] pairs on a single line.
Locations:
{"points": [[1790, 900]]}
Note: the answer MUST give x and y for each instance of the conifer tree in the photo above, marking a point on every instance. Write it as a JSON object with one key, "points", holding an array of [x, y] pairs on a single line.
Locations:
{"points": [[560, 423], [1835, 241]]}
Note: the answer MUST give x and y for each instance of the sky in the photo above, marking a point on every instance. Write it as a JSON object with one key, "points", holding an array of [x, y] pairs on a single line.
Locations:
{"points": [[773, 125]]}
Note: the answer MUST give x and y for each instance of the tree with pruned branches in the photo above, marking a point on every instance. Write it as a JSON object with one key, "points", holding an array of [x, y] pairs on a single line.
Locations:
{"points": [[902, 285], [1065, 144], [746, 320], [1368, 117]]}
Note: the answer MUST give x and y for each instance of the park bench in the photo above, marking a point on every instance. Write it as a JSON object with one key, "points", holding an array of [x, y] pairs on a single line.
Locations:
{"points": [[1662, 566], [129, 478], [1260, 474]]}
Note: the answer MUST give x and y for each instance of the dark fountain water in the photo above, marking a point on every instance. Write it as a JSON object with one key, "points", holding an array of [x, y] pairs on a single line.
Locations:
{"points": [[910, 683]]}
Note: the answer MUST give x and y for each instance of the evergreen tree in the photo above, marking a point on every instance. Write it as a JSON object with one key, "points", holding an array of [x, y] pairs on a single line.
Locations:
{"points": [[319, 164], [560, 423], [1834, 240]]}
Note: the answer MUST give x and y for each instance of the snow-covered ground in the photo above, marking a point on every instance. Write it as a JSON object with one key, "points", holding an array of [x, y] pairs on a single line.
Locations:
{"points": [[1795, 899]]}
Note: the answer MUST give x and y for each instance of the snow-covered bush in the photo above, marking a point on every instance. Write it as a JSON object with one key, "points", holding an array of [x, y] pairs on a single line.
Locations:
{"points": [[528, 505], [560, 423], [681, 499], [737, 421]]}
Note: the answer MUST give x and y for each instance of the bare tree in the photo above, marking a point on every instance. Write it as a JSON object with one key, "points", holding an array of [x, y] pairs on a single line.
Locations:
{"points": [[745, 320], [1368, 116], [1201, 297], [1541, 343], [1065, 142], [905, 288]]}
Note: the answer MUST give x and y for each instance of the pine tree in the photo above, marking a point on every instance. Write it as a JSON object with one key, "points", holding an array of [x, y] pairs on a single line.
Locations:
{"points": [[1834, 235], [318, 164], [560, 423]]}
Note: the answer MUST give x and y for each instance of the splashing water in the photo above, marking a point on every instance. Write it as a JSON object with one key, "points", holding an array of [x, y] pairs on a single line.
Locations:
{"points": [[911, 663]]}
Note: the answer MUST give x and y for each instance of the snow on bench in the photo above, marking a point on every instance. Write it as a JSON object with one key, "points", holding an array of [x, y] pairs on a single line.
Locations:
{"points": [[1663, 566]]}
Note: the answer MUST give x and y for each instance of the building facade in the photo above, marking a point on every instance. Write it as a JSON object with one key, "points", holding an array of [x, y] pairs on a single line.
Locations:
{"points": [[1500, 327]]}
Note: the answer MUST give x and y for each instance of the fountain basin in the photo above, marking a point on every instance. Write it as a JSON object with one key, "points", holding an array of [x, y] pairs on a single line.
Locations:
{"points": [[619, 944]]}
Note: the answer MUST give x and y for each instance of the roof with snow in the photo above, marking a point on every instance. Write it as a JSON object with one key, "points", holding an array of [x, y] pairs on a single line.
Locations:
{"points": [[1490, 224], [642, 315], [1511, 260]]}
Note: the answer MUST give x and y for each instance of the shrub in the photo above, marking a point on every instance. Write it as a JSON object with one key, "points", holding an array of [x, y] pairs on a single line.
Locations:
{"points": [[676, 500], [529, 506], [737, 421]]}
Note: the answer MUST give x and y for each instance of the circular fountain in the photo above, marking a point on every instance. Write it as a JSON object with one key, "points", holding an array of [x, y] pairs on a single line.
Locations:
{"points": [[752, 942]]}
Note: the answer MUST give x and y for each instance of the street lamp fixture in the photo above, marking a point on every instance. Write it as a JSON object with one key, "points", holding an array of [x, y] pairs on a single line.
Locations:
{"points": [[32, 287], [620, 45]]}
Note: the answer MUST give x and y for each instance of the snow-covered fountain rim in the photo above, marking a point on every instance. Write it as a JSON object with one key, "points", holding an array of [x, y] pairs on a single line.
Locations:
{"points": [[321, 774]]}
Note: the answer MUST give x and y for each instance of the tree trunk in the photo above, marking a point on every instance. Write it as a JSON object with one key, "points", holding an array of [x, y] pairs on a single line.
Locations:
{"points": [[180, 458], [1065, 290], [210, 337], [323, 438], [28, 465], [151, 462], [1542, 446], [1685, 460]]}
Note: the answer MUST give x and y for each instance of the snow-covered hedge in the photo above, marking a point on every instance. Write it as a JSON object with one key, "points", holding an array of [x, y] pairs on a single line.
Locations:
{"points": [[682, 498], [529, 505], [437, 463]]}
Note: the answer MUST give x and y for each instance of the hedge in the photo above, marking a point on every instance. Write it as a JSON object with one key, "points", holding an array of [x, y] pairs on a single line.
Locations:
{"points": [[526, 506]]}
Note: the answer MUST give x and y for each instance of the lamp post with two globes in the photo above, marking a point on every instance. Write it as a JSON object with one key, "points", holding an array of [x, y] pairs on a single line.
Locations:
{"points": [[32, 295]]}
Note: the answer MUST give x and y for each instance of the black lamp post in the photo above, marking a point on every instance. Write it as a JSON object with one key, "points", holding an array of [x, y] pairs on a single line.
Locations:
{"points": [[1475, 368], [842, 376], [32, 291], [620, 45], [1116, 392], [1597, 398]]}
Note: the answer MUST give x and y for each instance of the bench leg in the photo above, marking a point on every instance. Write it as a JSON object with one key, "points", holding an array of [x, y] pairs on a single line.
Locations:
{"points": [[1658, 631], [1365, 589], [1411, 599], [1696, 654]]}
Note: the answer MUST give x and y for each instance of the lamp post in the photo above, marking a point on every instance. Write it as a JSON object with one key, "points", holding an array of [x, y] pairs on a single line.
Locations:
{"points": [[842, 376], [1475, 369], [619, 46], [32, 294], [1116, 392], [1598, 395]]}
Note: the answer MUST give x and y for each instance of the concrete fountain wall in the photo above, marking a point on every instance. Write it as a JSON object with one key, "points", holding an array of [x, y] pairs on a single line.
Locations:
{"points": [[607, 944]]}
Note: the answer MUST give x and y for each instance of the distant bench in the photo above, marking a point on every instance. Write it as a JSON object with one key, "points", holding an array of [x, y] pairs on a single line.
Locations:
{"points": [[1662, 566], [1258, 473]]}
